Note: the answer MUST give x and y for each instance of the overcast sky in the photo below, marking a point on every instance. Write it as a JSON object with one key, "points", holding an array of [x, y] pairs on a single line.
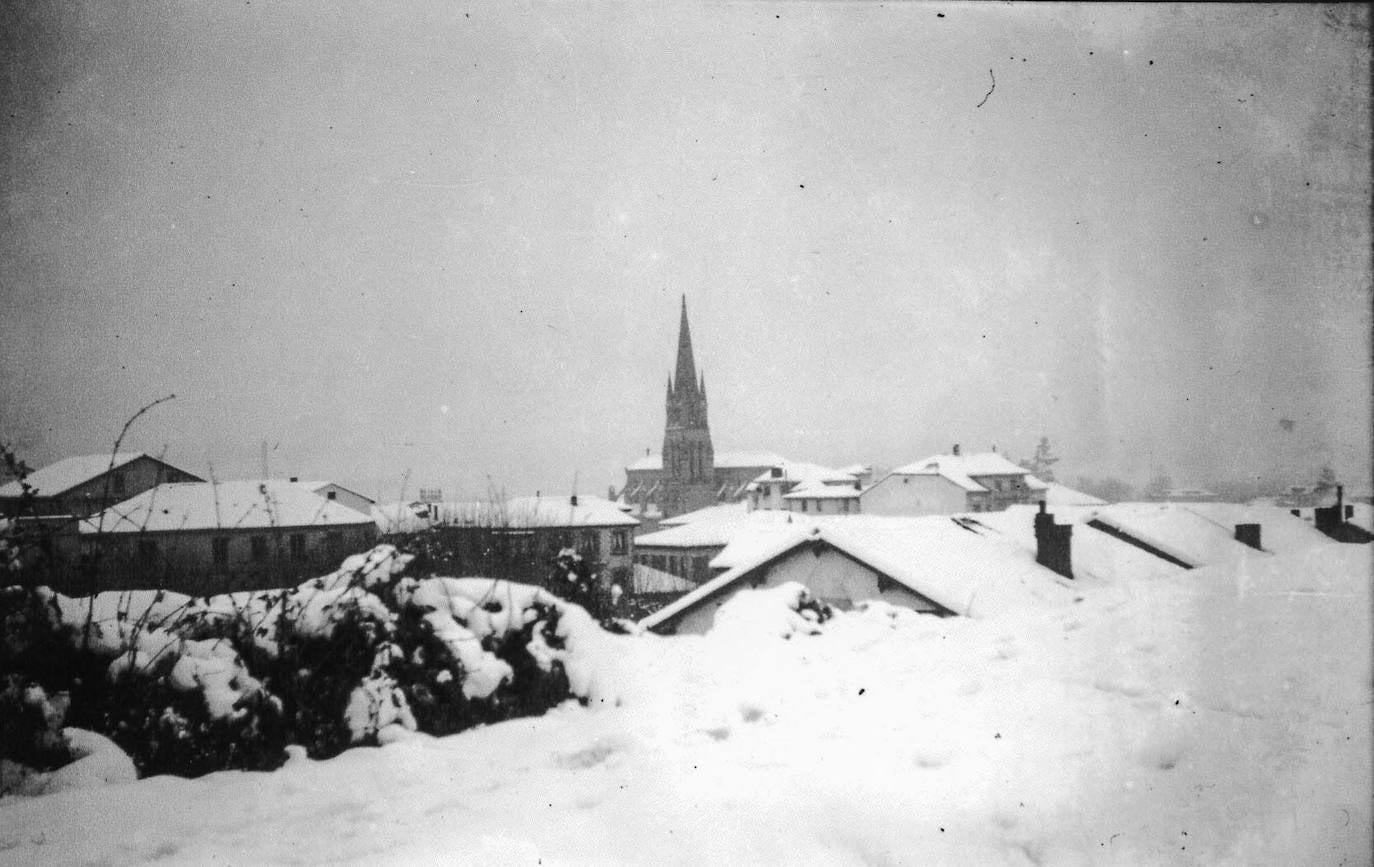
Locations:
{"points": [[450, 240]]}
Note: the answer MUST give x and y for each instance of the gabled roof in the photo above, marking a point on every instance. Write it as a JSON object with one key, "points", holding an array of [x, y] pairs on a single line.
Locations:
{"points": [[56, 479], [315, 485], [963, 571], [800, 472], [964, 469], [222, 505]]}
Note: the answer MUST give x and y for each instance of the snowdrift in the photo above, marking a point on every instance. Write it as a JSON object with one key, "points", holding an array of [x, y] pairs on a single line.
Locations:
{"points": [[1216, 716]]}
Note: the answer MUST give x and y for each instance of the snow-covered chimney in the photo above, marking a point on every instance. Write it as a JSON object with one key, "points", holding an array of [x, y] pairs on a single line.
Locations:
{"points": [[956, 450], [573, 499]]}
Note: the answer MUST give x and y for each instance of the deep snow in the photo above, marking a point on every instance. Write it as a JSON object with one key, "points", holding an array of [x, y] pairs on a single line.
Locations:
{"points": [[1220, 715]]}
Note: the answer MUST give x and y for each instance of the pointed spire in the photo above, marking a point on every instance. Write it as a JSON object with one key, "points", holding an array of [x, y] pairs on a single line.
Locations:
{"points": [[686, 367]]}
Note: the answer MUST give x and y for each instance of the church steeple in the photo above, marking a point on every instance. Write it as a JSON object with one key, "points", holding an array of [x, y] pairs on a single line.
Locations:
{"points": [[686, 376], [688, 459]]}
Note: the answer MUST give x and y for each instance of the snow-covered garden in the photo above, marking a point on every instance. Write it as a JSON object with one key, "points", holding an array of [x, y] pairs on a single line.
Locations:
{"points": [[1220, 715]]}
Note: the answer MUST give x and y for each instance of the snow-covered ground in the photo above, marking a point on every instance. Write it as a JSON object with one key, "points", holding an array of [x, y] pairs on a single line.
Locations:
{"points": [[1214, 716]]}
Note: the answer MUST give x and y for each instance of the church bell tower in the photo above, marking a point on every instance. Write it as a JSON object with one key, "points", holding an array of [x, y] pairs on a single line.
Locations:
{"points": [[688, 459]]}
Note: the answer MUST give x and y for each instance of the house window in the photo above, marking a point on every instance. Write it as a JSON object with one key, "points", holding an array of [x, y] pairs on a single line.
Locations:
{"points": [[620, 542], [804, 508], [334, 539], [700, 565], [297, 542], [259, 546], [333, 495], [219, 550], [591, 544]]}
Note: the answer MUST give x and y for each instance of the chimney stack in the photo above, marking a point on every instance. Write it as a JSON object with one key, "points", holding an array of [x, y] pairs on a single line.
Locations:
{"points": [[573, 499], [956, 450], [295, 479], [1052, 543], [1249, 534]]}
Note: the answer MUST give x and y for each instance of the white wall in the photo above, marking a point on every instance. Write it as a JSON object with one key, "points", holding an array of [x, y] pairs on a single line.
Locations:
{"points": [[914, 495], [345, 497], [831, 577]]}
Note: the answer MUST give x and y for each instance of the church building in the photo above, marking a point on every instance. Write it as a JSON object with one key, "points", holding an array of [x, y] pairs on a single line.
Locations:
{"points": [[689, 475]]}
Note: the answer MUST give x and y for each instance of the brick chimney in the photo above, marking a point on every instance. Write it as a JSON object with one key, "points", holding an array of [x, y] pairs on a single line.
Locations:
{"points": [[956, 450], [1052, 543]]}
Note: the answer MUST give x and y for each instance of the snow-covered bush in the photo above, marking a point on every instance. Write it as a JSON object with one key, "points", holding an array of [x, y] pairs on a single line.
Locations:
{"points": [[190, 685]]}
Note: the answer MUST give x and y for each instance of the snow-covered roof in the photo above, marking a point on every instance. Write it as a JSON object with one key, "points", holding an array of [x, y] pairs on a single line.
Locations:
{"points": [[963, 469], [1179, 530], [856, 469], [1094, 554], [222, 505], [708, 513], [964, 572], [1281, 532], [724, 460], [757, 543], [708, 533], [1062, 495], [648, 462], [54, 479], [560, 512], [802, 473], [823, 491]]}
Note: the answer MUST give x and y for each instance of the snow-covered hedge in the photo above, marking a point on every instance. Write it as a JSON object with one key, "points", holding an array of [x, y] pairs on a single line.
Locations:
{"points": [[364, 655]]}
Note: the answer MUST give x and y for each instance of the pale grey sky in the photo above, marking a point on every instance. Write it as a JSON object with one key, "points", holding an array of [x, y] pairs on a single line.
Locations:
{"points": [[451, 239]]}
